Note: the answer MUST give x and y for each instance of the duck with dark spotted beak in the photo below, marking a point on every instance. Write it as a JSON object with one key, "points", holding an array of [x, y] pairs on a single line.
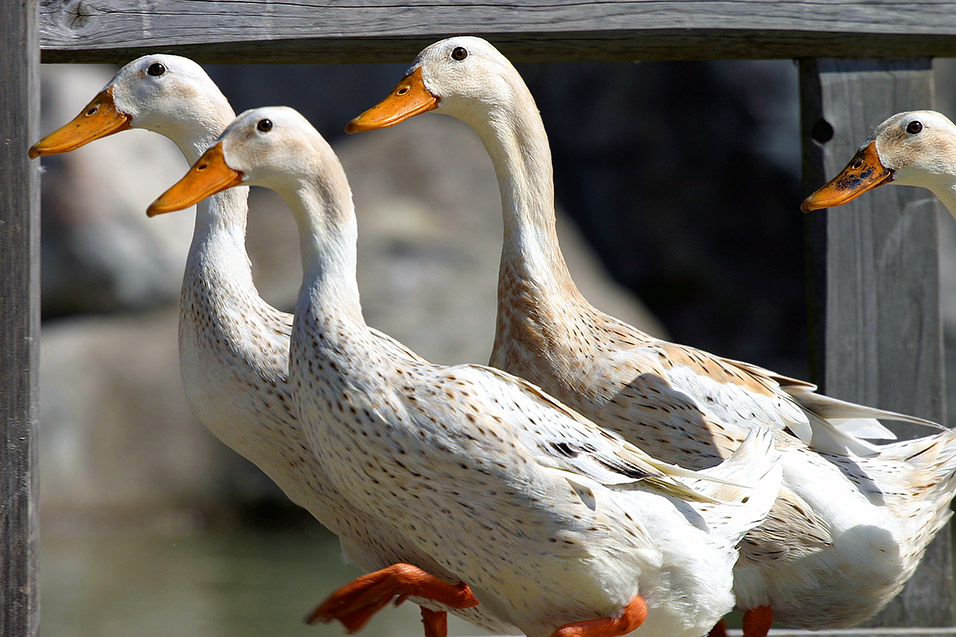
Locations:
{"points": [[915, 148]]}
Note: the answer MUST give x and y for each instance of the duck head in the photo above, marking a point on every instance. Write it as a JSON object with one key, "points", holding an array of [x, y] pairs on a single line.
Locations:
{"points": [[915, 148], [274, 147], [166, 94], [464, 76]]}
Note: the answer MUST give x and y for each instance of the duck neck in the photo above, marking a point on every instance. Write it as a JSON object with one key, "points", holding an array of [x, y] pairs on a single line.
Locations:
{"points": [[325, 218], [515, 138], [218, 248], [537, 299], [218, 245]]}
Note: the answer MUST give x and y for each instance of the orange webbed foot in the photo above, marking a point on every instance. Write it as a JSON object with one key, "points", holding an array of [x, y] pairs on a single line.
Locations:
{"points": [[355, 603], [757, 621], [633, 616], [719, 630], [353, 621]]}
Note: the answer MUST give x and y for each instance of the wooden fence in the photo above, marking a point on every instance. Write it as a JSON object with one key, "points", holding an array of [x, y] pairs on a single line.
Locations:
{"points": [[874, 281]]}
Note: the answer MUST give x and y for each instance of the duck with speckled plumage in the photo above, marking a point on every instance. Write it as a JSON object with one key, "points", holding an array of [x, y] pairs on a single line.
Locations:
{"points": [[559, 527], [233, 346], [914, 148], [853, 518]]}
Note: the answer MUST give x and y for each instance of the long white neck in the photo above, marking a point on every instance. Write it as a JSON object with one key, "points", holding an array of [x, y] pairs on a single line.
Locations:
{"points": [[515, 138], [219, 234], [325, 217]]}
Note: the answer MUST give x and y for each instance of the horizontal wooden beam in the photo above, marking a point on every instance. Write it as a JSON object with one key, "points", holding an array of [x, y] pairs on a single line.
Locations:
{"points": [[391, 30]]}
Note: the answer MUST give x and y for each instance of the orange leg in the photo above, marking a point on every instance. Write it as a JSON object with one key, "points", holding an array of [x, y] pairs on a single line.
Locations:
{"points": [[355, 603], [633, 616], [436, 622], [757, 621], [719, 630]]}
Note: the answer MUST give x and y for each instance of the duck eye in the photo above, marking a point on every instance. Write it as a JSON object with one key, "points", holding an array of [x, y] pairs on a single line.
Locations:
{"points": [[156, 69], [264, 125], [914, 127], [459, 53]]}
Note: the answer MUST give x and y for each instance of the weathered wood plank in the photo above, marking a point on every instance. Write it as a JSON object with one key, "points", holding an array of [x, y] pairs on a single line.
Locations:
{"points": [[874, 277], [389, 31], [19, 318]]}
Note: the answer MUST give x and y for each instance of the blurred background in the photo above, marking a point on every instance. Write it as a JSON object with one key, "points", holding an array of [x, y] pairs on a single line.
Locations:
{"points": [[678, 186]]}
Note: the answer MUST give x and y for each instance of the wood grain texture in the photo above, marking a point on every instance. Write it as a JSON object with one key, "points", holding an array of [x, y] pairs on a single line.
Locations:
{"points": [[874, 279], [392, 31], [19, 318]]}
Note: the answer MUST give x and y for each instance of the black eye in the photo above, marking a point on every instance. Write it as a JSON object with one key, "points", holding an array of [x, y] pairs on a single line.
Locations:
{"points": [[460, 53], [156, 69], [265, 125], [914, 127]]}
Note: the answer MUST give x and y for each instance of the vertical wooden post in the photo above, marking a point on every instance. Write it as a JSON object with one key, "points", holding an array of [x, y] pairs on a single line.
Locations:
{"points": [[874, 280], [19, 317]]}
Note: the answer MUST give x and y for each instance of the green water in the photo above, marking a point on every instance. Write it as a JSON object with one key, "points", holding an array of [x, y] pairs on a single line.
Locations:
{"points": [[234, 584]]}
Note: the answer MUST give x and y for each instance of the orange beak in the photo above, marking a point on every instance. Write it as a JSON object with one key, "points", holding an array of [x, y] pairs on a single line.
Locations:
{"points": [[407, 99], [864, 172], [99, 119], [209, 175]]}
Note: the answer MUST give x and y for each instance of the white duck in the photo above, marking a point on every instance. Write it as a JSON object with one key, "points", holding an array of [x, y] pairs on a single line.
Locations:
{"points": [[559, 527], [832, 551], [234, 347], [915, 148]]}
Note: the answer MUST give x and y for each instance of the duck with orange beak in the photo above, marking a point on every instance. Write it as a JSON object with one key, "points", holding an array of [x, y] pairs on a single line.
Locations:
{"points": [[233, 346], [914, 148], [822, 557], [560, 528]]}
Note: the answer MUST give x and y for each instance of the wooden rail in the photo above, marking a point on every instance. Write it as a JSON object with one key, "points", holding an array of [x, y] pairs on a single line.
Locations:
{"points": [[875, 326], [548, 30]]}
